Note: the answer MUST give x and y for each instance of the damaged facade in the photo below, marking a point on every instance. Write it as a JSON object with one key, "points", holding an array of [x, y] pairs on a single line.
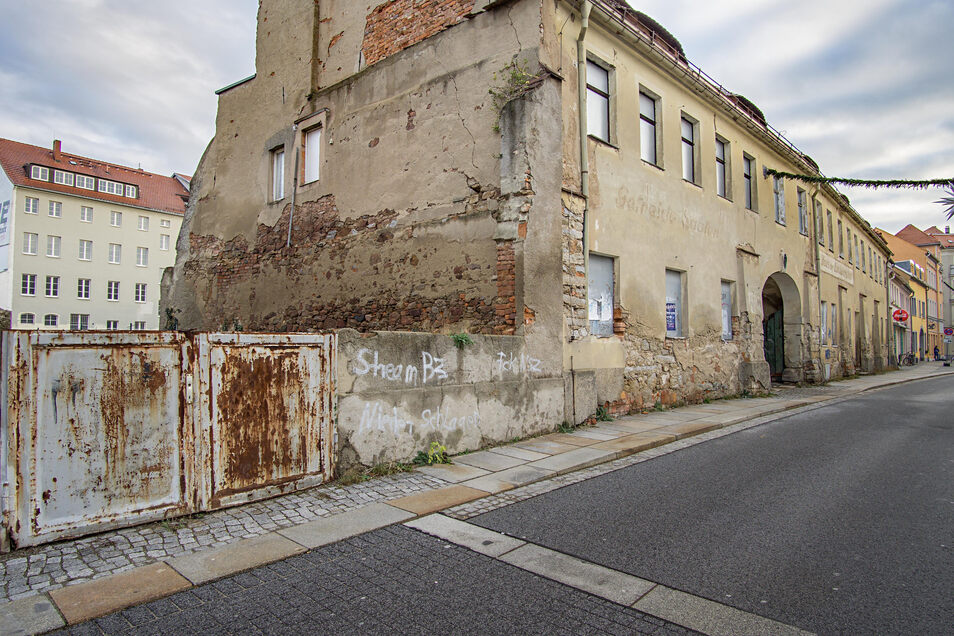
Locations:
{"points": [[370, 176]]}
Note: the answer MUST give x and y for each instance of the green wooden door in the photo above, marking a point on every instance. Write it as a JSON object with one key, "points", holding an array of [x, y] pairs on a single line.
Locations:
{"points": [[774, 343]]}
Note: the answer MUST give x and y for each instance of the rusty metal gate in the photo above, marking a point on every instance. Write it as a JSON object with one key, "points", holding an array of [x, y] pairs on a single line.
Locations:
{"points": [[103, 430]]}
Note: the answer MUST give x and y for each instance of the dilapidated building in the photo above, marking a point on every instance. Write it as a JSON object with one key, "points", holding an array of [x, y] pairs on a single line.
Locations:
{"points": [[554, 173]]}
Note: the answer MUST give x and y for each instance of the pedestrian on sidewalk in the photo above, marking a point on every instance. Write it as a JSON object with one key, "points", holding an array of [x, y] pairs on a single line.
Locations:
{"points": [[937, 353]]}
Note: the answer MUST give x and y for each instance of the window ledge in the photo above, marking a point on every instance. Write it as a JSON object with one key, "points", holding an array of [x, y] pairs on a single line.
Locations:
{"points": [[692, 183], [653, 165], [602, 142]]}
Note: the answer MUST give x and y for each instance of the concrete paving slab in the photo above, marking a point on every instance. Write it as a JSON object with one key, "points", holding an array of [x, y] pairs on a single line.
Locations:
{"points": [[347, 524], [566, 438], [543, 446], [635, 443], [491, 483], [614, 586], [519, 453], [429, 501], [473, 537], [688, 429], [574, 460], [708, 616], [454, 473], [235, 557], [30, 615], [488, 460], [522, 475], [637, 426], [599, 436], [93, 599]]}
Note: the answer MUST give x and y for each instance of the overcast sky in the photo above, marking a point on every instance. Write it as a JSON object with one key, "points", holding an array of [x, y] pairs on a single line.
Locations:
{"points": [[863, 86]]}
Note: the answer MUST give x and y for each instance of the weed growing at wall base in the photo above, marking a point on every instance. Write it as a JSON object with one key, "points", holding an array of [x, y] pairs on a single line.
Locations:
{"points": [[436, 454], [461, 340]]}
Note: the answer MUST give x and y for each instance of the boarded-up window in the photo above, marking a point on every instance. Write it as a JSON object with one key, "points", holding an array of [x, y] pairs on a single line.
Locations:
{"points": [[312, 154], [674, 304], [601, 295], [726, 310], [597, 101], [824, 323], [778, 188]]}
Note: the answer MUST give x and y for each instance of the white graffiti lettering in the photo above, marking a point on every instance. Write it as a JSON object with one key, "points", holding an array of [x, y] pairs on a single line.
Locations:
{"points": [[524, 365], [431, 369], [379, 417]]}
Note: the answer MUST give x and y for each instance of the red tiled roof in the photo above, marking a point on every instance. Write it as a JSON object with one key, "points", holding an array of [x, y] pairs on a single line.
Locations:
{"points": [[911, 234], [156, 192]]}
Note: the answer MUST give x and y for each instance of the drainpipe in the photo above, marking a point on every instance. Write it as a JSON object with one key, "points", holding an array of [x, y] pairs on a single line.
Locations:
{"points": [[816, 219], [584, 157]]}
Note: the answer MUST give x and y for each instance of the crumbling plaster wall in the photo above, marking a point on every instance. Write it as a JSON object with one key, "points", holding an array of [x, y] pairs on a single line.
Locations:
{"points": [[422, 216]]}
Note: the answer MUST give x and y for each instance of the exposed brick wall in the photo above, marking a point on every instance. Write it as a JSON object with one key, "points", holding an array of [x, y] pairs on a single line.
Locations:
{"points": [[574, 274], [505, 304], [397, 24], [398, 288]]}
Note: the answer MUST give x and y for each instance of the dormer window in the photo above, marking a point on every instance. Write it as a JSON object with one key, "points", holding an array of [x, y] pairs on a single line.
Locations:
{"points": [[63, 178], [131, 191], [40, 173], [110, 187], [87, 183]]}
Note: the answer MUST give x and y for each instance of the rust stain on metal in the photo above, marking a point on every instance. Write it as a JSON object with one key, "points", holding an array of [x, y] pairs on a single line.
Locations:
{"points": [[260, 419]]}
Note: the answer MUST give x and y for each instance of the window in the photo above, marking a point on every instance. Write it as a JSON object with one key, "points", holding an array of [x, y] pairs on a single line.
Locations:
{"points": [[56, 209], [51, 320], [863, 261], [748, 166], [831, 233], [116, 219], [131, 191], [600, 294], [688, 150], [28, 285], [63, 178], [871, 267], [726, 310], [30, 242], [823, 332], [857, 265], [85, 250], [851, 254], [52, 286], [27, 319], [140, 292], [597, 101], [115, 253], [802, 212], [841, 241], [112, 325], [110, 187], [144, 223], [722, 173], [833, 332], [32, 205], [79, 322], [165, 223], [82, 288], [278, 174], [674, 304], [142, 256], [164, 241], [112, 290], [40, 173], [648, 136], [312, 140], [86, 214], [819, 223], [778, 188], [139, 325], [87, 183], [53, 246]]}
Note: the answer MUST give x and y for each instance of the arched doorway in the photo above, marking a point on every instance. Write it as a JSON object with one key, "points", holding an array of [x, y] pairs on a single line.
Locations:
{"points": [[782, 327]]}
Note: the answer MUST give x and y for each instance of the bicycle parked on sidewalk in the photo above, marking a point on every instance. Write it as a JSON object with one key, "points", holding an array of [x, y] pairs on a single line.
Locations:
{"points": [[908, 360]]}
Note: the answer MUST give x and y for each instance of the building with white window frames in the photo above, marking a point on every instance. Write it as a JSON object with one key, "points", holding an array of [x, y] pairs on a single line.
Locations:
{"points": [[67, 221]]}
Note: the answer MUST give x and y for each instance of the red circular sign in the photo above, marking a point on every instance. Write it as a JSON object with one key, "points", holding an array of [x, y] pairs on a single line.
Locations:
{"points": [[949, 331], [900, 315]]}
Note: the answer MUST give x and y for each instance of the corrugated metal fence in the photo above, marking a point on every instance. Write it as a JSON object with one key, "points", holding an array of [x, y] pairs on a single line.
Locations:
{"points": [[110, 429]]}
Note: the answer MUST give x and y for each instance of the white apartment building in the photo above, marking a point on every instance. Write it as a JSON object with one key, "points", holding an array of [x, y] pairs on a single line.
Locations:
{"points": [[83, 243]]}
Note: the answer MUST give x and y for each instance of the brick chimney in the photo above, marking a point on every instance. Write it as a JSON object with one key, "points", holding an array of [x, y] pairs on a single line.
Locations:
{"points": [[56, 149]]}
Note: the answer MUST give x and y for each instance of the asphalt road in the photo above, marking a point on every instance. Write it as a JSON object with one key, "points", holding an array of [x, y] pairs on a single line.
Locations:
{"points": [[391, 581], [836, 520]]}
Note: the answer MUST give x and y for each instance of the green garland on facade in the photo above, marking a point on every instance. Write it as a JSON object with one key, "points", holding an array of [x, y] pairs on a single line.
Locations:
{"points": [[865, 183]]}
